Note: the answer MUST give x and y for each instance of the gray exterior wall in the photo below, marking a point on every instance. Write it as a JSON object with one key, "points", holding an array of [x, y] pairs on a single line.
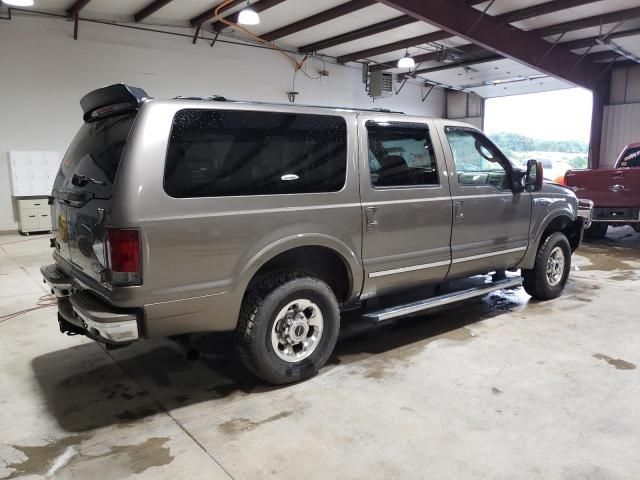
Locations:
{"points": [[621, 119]]}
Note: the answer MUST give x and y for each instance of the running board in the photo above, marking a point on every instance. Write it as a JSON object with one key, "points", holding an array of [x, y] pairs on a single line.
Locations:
{"points": [[421, 305]]}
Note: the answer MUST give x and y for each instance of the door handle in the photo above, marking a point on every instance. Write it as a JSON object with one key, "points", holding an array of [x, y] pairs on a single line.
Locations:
{"points": [[458, 211], [372, 221]]}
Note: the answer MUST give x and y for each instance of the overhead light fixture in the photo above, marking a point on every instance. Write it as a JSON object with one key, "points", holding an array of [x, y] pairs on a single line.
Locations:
{"points": [[18, 3], [248, 16], [406, 61]]}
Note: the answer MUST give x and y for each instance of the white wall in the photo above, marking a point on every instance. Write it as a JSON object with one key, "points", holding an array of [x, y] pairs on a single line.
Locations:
{"points": [[621, 119], [44, 72]]}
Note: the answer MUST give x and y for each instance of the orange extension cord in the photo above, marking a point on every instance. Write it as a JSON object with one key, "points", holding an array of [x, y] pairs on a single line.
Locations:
{"points": [[297, 65], [44, 301]]}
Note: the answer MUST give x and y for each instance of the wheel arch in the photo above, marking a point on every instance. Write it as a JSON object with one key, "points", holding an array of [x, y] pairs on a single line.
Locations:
{"points": [[557, 221], [327, 257]]}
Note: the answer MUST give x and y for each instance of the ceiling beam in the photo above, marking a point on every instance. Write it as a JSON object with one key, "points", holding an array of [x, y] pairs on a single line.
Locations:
{"points": [[469, 49], [590, 41], [540, 9], [391, 47], [605, 55], [258, 7], [317, 19], [150, 9], [516, 15], [595, 21], [359, 33], [211, 13], [449, 66], [528, 48], [74, 9]]}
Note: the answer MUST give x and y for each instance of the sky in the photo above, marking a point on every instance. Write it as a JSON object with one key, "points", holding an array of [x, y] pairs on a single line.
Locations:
{"points": [[557, 115]]}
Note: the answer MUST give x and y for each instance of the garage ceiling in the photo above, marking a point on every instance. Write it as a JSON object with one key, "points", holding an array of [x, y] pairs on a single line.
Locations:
{"points": [[368, 31]]}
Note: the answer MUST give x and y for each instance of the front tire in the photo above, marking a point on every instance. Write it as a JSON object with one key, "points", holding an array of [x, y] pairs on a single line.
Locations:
{"points": [[548, 277], [596, 231], [288, 327]]}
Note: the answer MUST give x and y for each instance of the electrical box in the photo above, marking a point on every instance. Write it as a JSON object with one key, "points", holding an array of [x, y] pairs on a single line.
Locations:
{"points": [[380, 84]]}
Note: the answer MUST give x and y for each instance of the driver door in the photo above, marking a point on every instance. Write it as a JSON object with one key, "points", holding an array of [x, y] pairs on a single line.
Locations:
{"points": [[490, 221]]}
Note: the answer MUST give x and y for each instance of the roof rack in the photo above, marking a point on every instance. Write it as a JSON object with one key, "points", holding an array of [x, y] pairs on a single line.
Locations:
{"points": [[219, 98]]}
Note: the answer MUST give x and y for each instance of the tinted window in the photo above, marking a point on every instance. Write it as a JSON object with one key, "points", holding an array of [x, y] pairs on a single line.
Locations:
{"points": [[631, 158], [224, 153], [401, 155], [476, 159], [95, 152]]}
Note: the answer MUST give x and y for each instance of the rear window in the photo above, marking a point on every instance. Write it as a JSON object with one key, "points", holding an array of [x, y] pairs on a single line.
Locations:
{"points": [[631, 158], [228, 153], [96, 151]]}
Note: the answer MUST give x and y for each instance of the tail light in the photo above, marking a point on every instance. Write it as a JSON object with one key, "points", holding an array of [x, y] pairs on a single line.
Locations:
{"points": [[123, 256], [561, 180]]}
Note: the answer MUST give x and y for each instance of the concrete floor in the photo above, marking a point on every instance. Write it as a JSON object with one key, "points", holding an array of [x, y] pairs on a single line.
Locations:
{"points": [[497, 388]]}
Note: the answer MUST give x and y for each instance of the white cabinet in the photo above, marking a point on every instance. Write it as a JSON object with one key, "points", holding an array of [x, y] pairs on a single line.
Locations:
{"points": [[34, 215]]}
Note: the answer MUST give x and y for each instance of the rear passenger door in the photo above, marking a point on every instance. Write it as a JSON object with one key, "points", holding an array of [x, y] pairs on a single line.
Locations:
{"points": [[406, 204]]}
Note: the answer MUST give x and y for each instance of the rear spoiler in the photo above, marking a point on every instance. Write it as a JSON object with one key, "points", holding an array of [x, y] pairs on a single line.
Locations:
{"points": [[107, 100]]}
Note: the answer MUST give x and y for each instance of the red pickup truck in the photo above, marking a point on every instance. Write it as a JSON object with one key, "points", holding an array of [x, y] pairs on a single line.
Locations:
{"points": [[615, 192]]}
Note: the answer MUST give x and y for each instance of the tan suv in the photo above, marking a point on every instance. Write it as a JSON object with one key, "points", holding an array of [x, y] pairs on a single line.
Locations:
{"points": [[193, 215]]}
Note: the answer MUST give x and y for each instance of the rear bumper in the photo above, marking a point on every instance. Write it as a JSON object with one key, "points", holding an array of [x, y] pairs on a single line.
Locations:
{"points": [[88, 314], [622, 215]]}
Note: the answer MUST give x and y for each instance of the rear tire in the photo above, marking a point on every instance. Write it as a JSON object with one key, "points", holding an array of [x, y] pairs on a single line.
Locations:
{"points": [[288, 327], [596, 231], [548, 277]]}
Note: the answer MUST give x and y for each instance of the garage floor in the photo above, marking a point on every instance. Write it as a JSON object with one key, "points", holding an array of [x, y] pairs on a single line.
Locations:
{"points": [[494, 388]]}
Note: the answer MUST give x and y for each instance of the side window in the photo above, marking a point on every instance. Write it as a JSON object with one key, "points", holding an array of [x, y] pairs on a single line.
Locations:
{"points": [[631, 158], [476, 160], [400, 155], [230, 152]]}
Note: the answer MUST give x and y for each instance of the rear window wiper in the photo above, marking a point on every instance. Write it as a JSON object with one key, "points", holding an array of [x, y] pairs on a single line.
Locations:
{"points": [[82, 180]]}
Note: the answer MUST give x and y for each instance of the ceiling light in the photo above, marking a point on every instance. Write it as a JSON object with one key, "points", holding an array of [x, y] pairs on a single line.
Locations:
{"points": [[248, 16], [18, 3], [406, 62]]}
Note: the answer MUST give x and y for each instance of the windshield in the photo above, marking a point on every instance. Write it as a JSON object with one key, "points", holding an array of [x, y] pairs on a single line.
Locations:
{"points": [[95, 154]]}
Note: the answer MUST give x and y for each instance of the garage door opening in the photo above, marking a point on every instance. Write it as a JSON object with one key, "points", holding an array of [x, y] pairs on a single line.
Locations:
{"points": [[553, 127]]}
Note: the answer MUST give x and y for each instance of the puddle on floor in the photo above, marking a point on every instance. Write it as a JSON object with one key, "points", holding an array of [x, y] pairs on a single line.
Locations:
{"points": [[244, 424], [620, 250], [48, 460], [616, 362]]}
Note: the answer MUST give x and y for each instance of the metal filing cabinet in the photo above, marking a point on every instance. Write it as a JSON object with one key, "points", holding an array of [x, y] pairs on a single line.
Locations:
{"points": [[34, 215]]}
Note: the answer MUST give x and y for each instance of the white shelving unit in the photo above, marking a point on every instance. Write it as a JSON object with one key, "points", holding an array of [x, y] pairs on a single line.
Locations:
{"points": [[34, 215], [32, 177]]}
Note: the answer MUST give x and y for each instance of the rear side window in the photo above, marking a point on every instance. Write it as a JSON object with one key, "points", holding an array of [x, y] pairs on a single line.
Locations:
{"points": [[228, 153], [400, 155]]}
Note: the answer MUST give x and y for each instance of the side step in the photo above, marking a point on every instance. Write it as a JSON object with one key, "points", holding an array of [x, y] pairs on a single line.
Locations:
{"points": [[421, 305]]}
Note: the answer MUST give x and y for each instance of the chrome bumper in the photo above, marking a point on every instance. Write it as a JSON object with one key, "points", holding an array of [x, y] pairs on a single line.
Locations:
{"points": [[585, 210], [114, 326], [58, 282], [96, 319]]}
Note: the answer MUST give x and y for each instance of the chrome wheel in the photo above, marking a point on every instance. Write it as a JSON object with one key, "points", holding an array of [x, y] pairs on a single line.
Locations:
{"points": [[297, 330], [555, 266]]}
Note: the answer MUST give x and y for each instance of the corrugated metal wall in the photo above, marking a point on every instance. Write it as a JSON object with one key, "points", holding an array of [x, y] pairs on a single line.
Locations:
{"points": [[621, 120], [465, 107], [621, 126]]}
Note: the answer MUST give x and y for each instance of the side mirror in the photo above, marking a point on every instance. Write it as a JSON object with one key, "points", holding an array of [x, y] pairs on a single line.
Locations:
{"points": [[535, 176]]}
